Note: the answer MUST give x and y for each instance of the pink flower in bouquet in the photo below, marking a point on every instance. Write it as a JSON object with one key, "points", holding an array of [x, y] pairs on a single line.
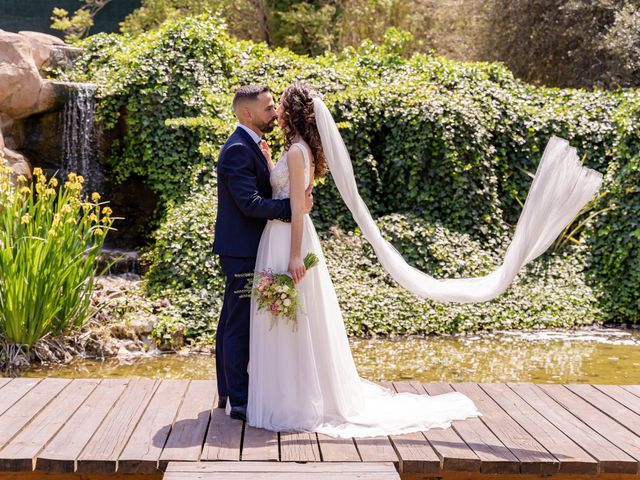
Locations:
{"points": [[276, 292]]}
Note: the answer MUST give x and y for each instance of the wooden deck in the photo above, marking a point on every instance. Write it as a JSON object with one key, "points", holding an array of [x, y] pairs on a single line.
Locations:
{"points": [[281, 471], [106, 428]]}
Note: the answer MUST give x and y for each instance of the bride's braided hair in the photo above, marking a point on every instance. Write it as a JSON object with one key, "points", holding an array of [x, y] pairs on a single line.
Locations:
{"points": [[298, 116]]}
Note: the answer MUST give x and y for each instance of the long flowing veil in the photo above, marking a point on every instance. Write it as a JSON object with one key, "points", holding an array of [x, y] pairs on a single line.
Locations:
{"points": [[560, 188]]}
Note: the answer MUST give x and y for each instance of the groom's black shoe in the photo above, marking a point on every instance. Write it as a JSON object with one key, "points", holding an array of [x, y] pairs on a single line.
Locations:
{"points": [[239, 413], [222, 401]]}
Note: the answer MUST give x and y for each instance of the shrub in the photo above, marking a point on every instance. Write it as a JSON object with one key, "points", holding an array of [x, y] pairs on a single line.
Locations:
{"points": [[49, 242], [182, 267], [446, 143]]}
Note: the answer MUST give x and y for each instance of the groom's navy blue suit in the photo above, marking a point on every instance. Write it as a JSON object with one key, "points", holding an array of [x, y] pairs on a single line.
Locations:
{"points": [[244, 206]]}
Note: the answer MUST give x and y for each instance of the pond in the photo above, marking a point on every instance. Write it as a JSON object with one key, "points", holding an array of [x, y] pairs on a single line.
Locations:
{"points": [[593, 355]]}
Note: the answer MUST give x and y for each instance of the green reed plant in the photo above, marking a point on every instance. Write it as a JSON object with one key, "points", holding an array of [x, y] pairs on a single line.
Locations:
{"points": [[49, 241]]}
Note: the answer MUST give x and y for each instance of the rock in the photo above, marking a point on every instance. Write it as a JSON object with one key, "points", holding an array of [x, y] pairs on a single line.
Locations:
{"points": [[143, 326], [48, 97], [22, 90], [18, 163], [127, 347], [110, 348], [43, 38], [123, 330], [41, 140], [62, 56], [149, 342], [19, 90]]}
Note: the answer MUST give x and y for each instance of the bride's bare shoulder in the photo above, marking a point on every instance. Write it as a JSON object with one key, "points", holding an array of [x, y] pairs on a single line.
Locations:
{"points": [[307, 150], [295, 153]]}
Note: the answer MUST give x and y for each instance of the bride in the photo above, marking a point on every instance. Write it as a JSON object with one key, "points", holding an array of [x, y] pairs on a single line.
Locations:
{"points": [[306, 379]]}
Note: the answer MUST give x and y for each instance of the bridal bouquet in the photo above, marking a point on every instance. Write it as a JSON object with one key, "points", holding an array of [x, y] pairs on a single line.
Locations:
{"points": [[276, 292]]}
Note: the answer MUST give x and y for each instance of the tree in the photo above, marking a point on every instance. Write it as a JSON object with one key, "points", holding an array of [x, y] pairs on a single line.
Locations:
{"points": [[622, 43], [305, 28], [568, 43], [78, 25]]}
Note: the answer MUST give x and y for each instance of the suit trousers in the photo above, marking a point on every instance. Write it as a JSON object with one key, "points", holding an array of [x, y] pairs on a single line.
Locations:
{"points": [[232, 335]]}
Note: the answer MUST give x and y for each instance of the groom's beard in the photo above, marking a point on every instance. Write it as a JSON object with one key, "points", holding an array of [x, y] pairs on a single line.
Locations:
{"points": [[267, 128]]}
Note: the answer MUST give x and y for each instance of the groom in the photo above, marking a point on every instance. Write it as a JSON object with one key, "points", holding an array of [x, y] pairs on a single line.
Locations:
{"points": [[244, 206]]}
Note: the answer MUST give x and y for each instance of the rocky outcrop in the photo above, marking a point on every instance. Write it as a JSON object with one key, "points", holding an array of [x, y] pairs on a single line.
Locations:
{"points": [[33, 131], [23, 90]]}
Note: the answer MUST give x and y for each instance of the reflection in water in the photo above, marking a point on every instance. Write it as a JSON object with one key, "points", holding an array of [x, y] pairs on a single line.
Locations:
{"points": [[596, 355]]}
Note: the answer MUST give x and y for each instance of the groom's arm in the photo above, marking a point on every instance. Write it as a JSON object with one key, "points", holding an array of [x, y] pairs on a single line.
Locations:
{"points": [[237, 167]]}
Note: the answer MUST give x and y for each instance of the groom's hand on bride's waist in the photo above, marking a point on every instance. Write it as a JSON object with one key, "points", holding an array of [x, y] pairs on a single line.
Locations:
{"points": [[308, 203]]}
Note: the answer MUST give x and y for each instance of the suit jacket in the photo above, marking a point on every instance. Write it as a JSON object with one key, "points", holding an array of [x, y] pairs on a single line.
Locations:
{"points": [[244, 197]]}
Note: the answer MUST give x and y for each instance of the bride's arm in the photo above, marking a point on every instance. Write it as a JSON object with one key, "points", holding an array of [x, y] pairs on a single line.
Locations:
{"points": [[295, 162]]}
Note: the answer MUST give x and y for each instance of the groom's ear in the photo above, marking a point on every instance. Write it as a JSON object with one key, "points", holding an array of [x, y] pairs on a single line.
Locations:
{"points": [[240, 113], [243, 112]]}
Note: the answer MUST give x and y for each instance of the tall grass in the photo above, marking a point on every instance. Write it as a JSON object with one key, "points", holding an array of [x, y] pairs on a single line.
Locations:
{"points": [[49, 241]]}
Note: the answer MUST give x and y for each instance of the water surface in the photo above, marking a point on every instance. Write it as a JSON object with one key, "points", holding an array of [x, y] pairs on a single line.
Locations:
{"points": [[595, 355]]}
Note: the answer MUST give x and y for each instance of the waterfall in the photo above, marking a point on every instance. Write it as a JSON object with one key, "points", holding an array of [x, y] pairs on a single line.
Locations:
{"points": [[80, 139]]}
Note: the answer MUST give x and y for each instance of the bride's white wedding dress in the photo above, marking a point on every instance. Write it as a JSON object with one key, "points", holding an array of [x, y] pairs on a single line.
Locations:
{"points": [[306, 380]]}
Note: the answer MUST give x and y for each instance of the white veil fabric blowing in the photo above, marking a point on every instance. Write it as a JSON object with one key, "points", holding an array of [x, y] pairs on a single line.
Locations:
{"points": [[560, 189]]}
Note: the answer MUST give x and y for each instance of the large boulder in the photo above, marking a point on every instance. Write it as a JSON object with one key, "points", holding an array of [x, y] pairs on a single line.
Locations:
{"points": [[43, 38], [23, 91]]}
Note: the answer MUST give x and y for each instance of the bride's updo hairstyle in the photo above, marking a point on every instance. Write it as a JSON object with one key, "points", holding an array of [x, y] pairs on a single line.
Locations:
{"points": [[298, 116]]}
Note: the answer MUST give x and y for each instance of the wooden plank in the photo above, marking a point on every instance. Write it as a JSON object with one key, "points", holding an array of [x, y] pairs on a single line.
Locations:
{"points": [[413, 449], [494, 456], [299, 447], [189, 429], [608, 406], [598, 421], [622, 396], [377, 449], [470, 476], [142, 452], [20, 414], [13, 391], [454, 453], [37, 475], [254, 467], [611, 459], [280, 470], [223, 438], [259, 444], [294, 475], [572, 458], [101, 452], [635, 389], [20, 453], [533, 457], [4, 381], [60, 453], [337, 449]]}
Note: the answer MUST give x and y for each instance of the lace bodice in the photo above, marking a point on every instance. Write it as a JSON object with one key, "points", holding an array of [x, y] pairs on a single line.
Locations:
{"points": [[280, 185]]}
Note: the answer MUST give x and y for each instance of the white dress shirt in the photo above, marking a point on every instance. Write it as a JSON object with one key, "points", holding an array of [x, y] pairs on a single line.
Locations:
{"points": [[254, 135]]}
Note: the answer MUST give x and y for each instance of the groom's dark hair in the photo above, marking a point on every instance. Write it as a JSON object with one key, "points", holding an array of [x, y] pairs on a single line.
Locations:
{"points": [[248, 92]]}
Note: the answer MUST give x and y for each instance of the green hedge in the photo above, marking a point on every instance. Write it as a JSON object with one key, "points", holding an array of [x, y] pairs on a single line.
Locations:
{"points": [[550, 292], [446, 143]]}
